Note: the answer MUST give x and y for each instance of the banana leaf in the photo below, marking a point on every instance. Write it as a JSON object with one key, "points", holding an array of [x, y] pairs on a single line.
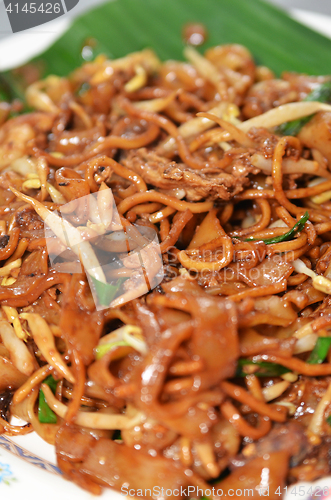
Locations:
{"points": [[123, 26]]}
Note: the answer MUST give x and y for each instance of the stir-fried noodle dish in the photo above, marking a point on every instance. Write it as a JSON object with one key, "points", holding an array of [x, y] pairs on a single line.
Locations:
{"points": [[218, 373]]}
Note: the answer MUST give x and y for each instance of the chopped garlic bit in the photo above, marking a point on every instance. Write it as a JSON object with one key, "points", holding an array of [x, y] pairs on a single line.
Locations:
{"points": [[5, 271], [291, 407], [31, 184], [231, 114], [290, 377], [57, 154], [322, 284], [7, 281], [138, 81], [274, 391], [13, 318]]}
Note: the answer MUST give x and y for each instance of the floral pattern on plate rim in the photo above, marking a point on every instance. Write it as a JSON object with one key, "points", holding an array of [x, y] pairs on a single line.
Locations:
{"points": [[6, 475], [27, 456]]}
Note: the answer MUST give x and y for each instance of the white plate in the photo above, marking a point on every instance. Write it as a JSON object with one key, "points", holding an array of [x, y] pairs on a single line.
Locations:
{"points": [[28, 468], [18, 48], [28, 471]]}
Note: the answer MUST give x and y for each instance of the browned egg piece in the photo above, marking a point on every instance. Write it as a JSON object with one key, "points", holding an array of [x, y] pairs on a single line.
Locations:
{"points": [[194, 34]]}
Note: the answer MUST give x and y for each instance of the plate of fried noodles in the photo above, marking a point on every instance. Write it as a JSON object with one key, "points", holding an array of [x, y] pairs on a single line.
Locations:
{"points": [[195, 362]]}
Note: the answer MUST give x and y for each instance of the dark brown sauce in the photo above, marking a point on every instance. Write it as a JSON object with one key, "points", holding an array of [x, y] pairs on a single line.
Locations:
{"points": [[194, 34]]}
